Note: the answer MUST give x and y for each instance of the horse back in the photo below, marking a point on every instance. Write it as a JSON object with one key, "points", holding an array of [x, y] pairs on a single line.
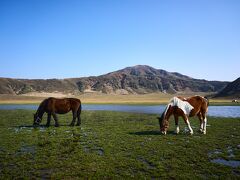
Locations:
{"points": [[74, 102], [200, 104], [62, 106]]}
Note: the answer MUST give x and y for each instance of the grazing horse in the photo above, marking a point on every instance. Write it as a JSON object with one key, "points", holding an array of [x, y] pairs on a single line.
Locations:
{"points": [[53, 106], [185, 107]]}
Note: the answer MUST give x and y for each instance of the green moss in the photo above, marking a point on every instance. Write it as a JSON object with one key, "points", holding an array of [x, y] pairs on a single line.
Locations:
{"points": [[115, 145]]}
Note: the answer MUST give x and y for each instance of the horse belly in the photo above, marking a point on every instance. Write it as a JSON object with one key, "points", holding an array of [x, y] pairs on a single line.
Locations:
{"points": [[62, 108], [62, 111]]}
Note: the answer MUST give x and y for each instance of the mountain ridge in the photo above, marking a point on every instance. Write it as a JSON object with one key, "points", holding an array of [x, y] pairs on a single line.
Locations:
{"points": [[137, 79], [231, 90]]}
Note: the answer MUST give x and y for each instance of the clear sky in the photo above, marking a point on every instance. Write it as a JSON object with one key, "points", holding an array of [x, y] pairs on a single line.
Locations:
{"points": [[76, 38]]}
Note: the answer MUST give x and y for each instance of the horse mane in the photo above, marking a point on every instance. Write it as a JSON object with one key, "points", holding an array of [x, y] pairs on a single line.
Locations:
{"points": [[41, 105], [165, 111]]}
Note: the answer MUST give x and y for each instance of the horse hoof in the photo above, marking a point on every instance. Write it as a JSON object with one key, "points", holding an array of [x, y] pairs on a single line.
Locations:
{"points": [[71, 124], [56, 125], [164, 132], [78, 124], [177, 131], [191, 133]]}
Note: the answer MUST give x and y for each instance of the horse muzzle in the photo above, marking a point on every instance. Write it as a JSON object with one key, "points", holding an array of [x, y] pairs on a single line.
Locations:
{"points": [[35, 124], [37, 121], [164, 132]]}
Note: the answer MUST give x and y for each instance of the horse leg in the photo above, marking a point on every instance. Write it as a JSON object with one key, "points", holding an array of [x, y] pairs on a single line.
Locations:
{"points": [[79, 115], [204, 118], [56, 119], [48, 120], [204, 112], [188, 123], [201, 122], [74, 113], [176, 124], [205, 125]]}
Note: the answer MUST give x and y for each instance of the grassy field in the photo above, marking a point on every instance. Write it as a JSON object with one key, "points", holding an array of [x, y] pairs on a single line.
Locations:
{"points": [[115, 145], [100, 98]]}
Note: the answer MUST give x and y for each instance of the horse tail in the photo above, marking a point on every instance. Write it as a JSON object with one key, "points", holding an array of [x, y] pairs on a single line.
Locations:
{"points": [[206, 98], [79, 109]]}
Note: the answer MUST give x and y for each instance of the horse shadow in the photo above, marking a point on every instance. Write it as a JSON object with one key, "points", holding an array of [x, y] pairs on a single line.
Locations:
{"points": [[146, 133], [41, 126], [29, 126]]}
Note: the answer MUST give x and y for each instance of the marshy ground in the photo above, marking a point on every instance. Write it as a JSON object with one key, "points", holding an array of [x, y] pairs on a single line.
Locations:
{"points": [[116, 145]]}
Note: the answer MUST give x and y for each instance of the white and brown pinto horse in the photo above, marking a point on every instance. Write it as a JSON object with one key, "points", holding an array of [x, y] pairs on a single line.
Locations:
{"points": [[185, 108]]}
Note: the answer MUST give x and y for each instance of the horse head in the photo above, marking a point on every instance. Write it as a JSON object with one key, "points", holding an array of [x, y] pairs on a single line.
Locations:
{"points": [[36, 119], [163, 123]]}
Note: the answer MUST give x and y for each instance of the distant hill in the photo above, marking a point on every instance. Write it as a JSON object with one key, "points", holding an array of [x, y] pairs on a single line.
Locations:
{"points": [[137, 79], [23, 86], [232, 90]]}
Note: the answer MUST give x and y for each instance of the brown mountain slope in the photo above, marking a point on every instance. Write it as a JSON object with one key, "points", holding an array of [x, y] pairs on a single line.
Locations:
{"points": [[232, 90], [22, 86], [138, 79], [145, 79]]}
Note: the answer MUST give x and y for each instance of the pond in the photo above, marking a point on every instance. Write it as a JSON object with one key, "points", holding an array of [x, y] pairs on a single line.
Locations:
{"points": [[216, 111]]}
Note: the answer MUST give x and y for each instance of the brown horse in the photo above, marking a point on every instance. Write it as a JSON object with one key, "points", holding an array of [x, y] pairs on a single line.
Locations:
{"points": [[53, 106], [185, 107]]}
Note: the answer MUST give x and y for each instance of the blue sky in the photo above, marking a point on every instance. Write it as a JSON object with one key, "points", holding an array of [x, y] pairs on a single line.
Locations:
{"points": [[76, 38]]}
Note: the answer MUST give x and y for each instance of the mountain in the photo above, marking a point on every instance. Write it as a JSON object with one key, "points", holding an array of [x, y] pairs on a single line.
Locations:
{"points": [[23, 86], [231, 90], [145, 79], [137, 79]]}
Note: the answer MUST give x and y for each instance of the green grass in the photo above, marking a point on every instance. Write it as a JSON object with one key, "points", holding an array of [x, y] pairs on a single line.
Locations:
{"points": [[115, 145]]}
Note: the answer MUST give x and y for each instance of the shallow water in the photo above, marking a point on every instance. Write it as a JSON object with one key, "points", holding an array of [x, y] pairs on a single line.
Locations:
{"points": [[148, 164], [26, 149], [217, 111], [230, 163], [214, 155], [28, 128]]}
